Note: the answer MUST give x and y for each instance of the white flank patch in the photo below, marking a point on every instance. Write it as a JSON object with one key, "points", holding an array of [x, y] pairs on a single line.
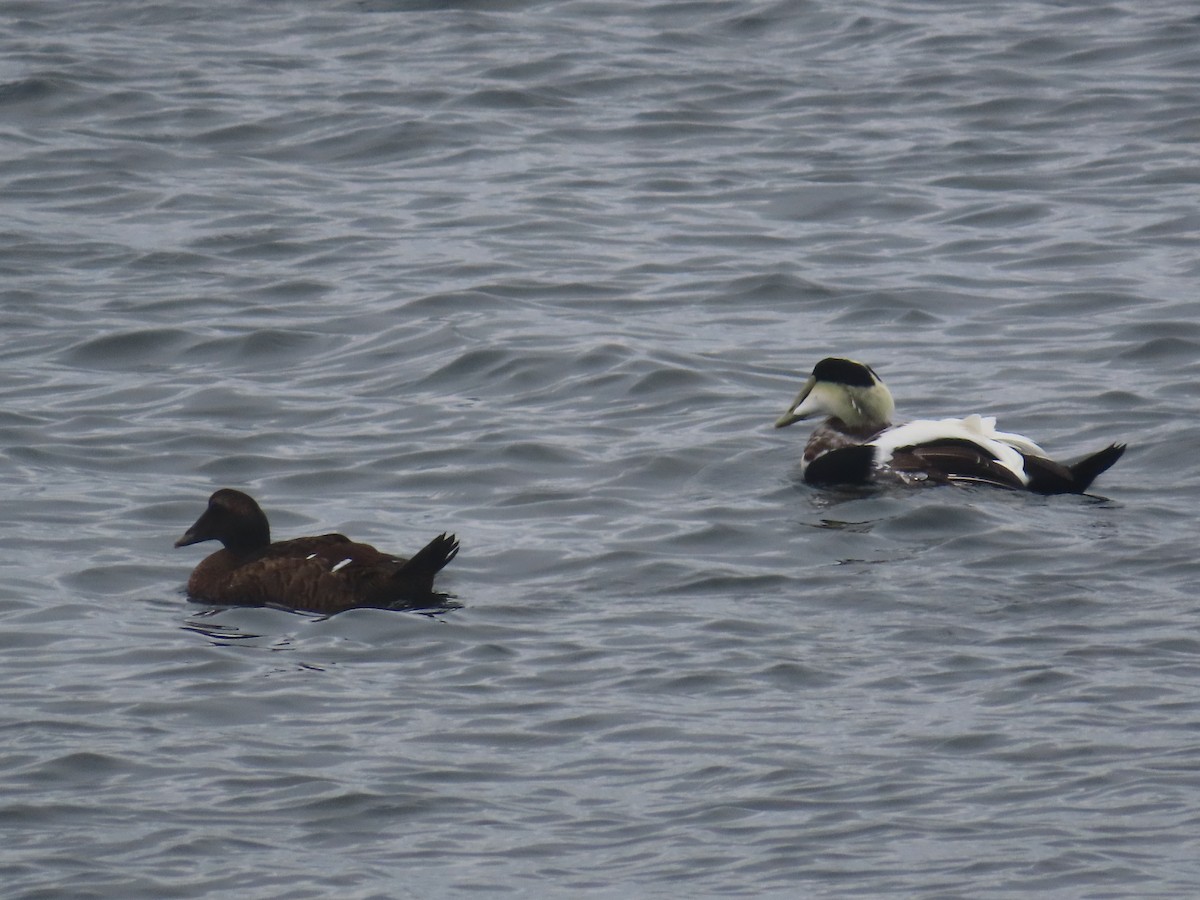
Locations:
{"points": [[341, 565], [979, 430], [311, 556]]}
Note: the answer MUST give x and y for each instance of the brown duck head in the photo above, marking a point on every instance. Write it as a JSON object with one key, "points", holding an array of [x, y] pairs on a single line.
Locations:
{"points": [[234, 519]]}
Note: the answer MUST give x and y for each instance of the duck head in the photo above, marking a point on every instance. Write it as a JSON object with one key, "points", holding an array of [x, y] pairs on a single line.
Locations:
{"points": [[234, 519], [844, 389]]}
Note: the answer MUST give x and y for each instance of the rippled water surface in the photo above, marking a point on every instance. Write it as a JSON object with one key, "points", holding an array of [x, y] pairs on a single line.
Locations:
{"points": [[543, 274]]}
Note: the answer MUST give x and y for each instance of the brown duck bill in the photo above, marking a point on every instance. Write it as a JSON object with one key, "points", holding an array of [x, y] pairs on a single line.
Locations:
{"points": [[189, 537]]}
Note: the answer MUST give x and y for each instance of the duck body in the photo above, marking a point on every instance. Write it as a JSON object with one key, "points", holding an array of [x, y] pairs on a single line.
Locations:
{"points": [[858, 444], [325, 573]]}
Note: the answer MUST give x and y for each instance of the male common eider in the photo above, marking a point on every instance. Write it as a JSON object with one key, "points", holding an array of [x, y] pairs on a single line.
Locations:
{"points": [[858, 442], [326, 574]]}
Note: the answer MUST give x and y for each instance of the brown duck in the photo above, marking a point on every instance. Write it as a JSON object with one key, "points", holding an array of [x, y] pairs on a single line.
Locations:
{"points": [[325, 573]]}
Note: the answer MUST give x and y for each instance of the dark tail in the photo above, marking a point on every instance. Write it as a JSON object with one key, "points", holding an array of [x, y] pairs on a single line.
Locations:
{"points": [[1049, 477], [415, 577], [1086, 470]]}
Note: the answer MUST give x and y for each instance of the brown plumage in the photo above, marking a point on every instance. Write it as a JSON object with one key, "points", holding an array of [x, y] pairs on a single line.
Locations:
{"points": [[325, 573]]}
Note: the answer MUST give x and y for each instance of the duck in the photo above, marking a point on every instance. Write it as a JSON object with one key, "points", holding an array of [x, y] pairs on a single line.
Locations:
{"points": [[858, 444], [325, 574]]}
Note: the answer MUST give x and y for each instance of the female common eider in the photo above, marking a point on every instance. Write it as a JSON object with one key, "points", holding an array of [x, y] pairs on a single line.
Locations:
{"points": [[859, 444], [326, 574]]}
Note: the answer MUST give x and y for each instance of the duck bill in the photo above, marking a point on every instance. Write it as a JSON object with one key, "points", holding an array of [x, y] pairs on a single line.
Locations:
{"points": [[197, 533], [797, 410], [189, 537]]}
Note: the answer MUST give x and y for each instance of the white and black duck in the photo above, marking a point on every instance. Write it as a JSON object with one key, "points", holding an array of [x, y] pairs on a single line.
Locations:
{"points": [[858, 444]]}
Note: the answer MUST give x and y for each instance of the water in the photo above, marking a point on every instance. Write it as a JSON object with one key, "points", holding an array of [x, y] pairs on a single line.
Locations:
{"points": [[544, 274]]}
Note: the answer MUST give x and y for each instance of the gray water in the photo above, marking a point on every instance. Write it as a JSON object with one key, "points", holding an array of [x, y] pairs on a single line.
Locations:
{"points": [[543, 274]]}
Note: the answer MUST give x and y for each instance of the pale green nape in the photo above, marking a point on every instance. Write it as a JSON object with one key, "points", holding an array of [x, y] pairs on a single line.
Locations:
{"points": [[856, 406], [859, 407]]}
